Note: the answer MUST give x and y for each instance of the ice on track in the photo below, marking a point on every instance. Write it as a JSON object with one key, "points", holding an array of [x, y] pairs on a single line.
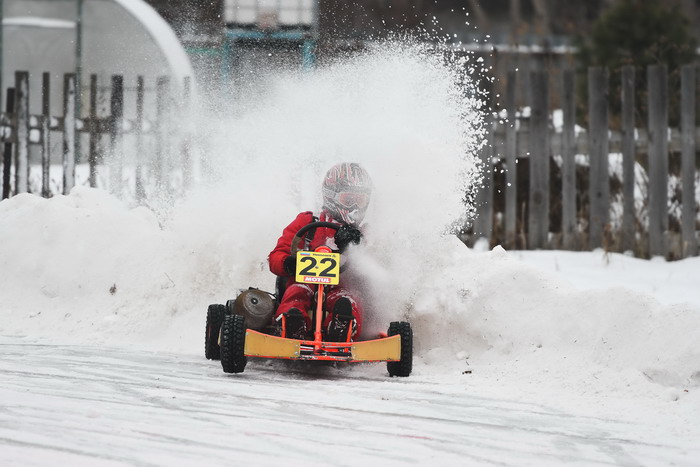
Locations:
{"points": [[84, 405]]}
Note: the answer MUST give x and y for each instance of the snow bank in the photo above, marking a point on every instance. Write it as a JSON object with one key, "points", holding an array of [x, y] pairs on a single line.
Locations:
{"points": [[86, 268], [495, 308]]}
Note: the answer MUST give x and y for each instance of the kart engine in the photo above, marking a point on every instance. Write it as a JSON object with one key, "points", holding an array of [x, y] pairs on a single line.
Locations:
{"points": [[256, 306]]}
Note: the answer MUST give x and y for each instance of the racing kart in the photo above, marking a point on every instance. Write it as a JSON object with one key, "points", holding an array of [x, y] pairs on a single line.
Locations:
{"points": [[244, 326]]}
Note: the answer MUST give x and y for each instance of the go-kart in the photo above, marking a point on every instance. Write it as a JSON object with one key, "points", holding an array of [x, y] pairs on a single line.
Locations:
{"points": [[244, 327]]}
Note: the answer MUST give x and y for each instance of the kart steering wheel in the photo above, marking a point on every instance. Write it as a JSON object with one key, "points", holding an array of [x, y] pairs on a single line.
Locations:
{"points": [[297, 238]]}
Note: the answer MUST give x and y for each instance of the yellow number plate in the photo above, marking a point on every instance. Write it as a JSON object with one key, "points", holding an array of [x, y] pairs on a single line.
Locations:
{"points": [[314, 267]]}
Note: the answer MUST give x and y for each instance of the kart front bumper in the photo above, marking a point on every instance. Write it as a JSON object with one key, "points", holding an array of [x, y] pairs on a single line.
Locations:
{"points": [[387, 349]]}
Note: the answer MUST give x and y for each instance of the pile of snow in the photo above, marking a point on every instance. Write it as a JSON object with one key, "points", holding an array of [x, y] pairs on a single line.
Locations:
{"points": [[87, 269], [491, 307]]}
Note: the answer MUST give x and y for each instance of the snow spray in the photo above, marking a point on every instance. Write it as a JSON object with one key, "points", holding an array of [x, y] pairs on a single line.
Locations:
{"points": [[410, 116]]}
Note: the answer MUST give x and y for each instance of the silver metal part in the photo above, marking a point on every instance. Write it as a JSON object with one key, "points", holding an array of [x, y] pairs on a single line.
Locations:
{"points": [[256, 306]]}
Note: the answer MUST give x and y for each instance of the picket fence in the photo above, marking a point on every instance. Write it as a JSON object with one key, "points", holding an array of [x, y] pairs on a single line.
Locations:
{"points": [[20, 130], [549, 187]]}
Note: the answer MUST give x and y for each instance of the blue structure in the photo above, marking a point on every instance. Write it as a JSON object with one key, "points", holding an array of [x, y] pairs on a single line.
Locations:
{"points": [[268, 25], [235, 37]]}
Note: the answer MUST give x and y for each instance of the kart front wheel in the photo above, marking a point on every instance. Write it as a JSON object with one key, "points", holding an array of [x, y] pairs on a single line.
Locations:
{"points": [[404, 366], [215, 316], [233, 358]]}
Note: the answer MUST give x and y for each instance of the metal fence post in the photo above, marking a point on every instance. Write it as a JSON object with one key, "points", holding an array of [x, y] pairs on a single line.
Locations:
{"points": [[69, 132], [688, 90], [598, 147], [658, 159], [116, 124], [538, 206], [511, 158], [628, 158], [568, 167], [21, 132], [483, 224], [162, 130], [45, 134], [7, 150], [94, 132], [140, 188]]}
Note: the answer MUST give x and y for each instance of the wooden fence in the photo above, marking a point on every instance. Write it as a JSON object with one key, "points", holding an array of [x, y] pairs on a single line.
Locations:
{"points": [[539, 192], [536, 192], [20, 130]]}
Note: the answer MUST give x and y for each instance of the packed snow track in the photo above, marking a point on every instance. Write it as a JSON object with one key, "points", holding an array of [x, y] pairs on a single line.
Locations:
{"points": [[78, 405]]}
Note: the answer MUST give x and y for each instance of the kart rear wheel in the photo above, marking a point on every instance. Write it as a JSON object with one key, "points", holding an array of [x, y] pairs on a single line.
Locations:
{"points": [[215, 316], [404, 366], [233, 358]]}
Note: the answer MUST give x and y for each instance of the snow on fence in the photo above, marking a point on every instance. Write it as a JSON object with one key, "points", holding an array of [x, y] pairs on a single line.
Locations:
{"points": [[20, 130], [549, 183]]}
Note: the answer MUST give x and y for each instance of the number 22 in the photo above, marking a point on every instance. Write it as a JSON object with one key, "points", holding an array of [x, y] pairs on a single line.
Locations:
{"points": [[307, 271]]}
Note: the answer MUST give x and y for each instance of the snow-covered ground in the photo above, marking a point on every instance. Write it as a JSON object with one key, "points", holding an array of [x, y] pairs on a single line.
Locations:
{"points": [[521, 358], [91, 405]]}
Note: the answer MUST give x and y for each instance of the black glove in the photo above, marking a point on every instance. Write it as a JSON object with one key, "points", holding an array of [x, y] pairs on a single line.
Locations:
{"points": [[346, 235], [290, 265]]}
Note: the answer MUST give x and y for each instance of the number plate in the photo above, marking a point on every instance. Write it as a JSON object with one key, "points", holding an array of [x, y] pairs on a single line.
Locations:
{"points": [[314, 267]]}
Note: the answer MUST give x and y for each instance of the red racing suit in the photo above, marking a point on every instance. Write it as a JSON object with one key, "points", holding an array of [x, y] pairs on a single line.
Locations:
{"points": [[299, 295]]}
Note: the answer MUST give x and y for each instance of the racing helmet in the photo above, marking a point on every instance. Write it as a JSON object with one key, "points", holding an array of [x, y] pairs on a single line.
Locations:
{"points": [[346, 192]]}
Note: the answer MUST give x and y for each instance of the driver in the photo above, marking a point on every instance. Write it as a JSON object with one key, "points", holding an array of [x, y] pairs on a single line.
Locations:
{"points": [[346, 193]]}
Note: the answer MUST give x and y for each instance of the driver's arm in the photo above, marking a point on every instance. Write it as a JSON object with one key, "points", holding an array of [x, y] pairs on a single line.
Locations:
{"points": [[284, 244]]}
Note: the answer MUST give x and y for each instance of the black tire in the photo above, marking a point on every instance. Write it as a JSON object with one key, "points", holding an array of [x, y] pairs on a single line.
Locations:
{"points": [[404, 366], [215, 316], [233, 358]]}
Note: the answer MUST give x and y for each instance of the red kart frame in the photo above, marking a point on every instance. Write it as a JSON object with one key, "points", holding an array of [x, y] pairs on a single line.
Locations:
{"points": [[228, 339]]}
